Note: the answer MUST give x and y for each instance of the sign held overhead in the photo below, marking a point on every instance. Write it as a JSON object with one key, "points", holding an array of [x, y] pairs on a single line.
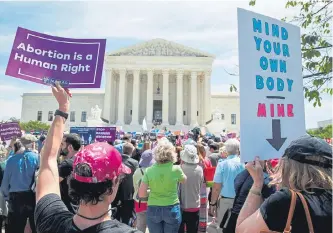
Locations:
{"points": [[271, 85], [45, 59]]}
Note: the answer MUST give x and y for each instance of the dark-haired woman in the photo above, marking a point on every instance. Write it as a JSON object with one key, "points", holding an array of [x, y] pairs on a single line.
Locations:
{"points": [[97, 172]]}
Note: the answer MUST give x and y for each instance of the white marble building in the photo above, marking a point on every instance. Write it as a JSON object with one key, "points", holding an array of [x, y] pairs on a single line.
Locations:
{"points": [[160, 80]]}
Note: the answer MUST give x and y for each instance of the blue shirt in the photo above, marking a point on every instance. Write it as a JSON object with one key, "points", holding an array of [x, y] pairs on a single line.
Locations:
{"points": [[19, 173], [225, 174]]}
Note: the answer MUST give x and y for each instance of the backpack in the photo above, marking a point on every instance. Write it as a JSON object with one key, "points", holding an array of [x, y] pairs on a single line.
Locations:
{"points": [[137, 194]]}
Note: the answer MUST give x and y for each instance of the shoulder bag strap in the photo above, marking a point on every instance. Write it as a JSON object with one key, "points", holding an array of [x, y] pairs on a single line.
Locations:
{"points": [[307, 212], [287, 229]]}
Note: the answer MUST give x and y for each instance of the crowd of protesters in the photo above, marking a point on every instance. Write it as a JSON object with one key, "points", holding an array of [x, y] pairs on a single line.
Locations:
{"points": [[55, 184]]}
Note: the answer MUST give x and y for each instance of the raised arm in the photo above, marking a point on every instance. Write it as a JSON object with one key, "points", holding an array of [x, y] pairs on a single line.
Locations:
{"points": [[250, 212], [48, 178]]}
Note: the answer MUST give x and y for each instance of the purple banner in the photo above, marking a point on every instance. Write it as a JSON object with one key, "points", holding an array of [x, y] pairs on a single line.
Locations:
{"points": [[105, 134], [9, 130], [40, 58]]}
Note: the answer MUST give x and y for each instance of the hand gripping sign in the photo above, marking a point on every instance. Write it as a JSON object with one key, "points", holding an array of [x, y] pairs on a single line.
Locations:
{"points": [[45, 59]]}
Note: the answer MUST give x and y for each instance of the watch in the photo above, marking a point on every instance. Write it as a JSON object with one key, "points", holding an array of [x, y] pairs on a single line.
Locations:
{"points": [[61, 113]]}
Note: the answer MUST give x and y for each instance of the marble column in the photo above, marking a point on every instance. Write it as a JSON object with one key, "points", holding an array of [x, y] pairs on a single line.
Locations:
{"points": [[150, 96], [121, 100], [194, 96], [179, 98], [201, 101], [107, 95], [165, 102], [207, 96], [136, 97]]}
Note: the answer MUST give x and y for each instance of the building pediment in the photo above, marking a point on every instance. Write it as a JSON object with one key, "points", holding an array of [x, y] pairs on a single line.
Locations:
{"points": [[160, 47]]}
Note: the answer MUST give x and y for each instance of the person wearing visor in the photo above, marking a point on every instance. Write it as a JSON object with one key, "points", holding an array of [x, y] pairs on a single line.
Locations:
{"points": [[97, 172], [304, 178]]}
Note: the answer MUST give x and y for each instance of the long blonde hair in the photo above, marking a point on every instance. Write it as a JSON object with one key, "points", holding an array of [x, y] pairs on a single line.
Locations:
{"points": [[301, 176], [201, 151]]}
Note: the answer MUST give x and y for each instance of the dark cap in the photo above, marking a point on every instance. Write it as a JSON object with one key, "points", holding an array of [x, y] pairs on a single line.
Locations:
{"points": [[307, 145], [214, 146]]}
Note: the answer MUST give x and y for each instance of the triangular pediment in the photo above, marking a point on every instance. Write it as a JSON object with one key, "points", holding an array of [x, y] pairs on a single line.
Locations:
{"points": [[160, 47]]}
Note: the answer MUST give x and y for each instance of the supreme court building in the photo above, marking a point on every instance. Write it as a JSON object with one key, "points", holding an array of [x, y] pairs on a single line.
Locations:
{"points": [[159, 80]]}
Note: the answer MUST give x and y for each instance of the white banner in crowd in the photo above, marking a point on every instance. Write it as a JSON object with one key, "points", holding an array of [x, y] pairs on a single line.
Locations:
{"points": [[271, 85]]}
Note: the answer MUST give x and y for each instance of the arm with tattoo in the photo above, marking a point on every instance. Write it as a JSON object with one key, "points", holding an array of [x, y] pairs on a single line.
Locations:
{"points": [[251, 205]]}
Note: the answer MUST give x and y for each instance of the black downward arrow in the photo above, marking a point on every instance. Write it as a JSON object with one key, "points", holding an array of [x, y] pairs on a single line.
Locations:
{"points": [[276, 141]]}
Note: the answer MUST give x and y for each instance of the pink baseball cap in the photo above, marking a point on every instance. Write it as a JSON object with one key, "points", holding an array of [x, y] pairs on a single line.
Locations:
{"points": [[104, 161]]}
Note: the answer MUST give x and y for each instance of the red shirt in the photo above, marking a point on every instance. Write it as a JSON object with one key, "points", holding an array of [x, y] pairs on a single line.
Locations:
{"points": [[207, 162]]}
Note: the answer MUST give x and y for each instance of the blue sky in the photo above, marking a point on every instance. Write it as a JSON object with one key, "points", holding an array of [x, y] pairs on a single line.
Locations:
{"points": [[207, 26]]}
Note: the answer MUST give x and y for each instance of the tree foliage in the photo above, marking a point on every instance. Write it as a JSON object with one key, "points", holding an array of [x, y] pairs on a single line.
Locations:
{"points": [[322, 132], [34, 125], [315, 19]]}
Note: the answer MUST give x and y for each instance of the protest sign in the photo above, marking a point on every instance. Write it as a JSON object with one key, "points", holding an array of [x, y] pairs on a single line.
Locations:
{"points": [[41, 58], [9, 130], [105, 134], [87, 134], [271, 85]]}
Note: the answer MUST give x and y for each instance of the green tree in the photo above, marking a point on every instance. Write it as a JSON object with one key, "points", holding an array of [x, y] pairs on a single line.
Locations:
{"points": [[315, 19], [34, 125], [321, 132]]}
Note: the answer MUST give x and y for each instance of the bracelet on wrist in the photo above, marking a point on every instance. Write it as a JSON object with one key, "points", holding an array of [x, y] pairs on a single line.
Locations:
{"points": [[213, 204], [61, 113]]}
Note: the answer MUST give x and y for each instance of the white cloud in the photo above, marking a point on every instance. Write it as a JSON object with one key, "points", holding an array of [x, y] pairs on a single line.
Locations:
{"points": [[6, 43], [315, 114], [10, 108], [210, 22], [5, 88], [2, 70], [228, 63]]}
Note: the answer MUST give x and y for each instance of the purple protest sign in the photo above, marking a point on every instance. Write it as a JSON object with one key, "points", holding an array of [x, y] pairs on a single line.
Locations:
{"points": [[105, 134], [9, 130], [41, 58]]}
